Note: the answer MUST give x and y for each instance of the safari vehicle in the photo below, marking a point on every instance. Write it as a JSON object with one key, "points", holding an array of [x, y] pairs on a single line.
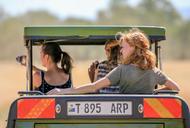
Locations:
{"points": [[35, 110]]}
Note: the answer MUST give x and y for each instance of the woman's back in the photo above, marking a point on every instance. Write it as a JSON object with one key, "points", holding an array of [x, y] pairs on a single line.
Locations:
{"points": [[132, 79], [49, 83]]}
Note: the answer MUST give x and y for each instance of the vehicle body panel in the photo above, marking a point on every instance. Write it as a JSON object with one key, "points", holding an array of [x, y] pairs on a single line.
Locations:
{"points": [[61, 118]]}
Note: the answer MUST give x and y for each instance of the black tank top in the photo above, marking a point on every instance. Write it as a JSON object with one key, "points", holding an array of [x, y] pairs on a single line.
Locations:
{"points": [[45, 87]]}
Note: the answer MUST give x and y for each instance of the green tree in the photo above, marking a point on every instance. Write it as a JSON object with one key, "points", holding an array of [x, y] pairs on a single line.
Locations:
{"points": [[158, 12], [183, 41], [118, 12], [76, 21], [12, 28]]}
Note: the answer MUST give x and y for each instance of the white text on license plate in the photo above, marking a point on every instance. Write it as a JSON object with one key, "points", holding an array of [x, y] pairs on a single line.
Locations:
{"points": [[107, 108]]}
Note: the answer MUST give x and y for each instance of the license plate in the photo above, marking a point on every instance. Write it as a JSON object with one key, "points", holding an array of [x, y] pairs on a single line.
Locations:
{"points": [[102, 108]]}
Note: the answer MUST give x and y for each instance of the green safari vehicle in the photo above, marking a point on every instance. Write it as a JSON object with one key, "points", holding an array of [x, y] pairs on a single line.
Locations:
{"points": [[35, 110]]}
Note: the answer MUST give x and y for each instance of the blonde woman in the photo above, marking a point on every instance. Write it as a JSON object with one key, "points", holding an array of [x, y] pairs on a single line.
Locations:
{"points": [[137, 74]]}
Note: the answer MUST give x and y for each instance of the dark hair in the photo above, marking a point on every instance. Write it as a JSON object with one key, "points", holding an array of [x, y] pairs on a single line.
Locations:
{"points": [[57, 55], [113, 47], [114, 54]]}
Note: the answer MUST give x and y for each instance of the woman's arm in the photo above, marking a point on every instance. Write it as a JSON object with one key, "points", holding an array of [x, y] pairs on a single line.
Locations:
{"points": [[163, 79], [88, 88], [23, 61], [170, 85], [36, 79]]}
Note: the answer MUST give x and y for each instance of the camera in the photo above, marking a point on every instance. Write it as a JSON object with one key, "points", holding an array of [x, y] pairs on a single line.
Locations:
{"points": [[21, 59]]}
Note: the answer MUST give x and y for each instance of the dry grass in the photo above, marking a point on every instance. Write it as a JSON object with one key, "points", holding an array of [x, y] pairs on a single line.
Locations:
{"points": [[180, 72], [12, 79]]}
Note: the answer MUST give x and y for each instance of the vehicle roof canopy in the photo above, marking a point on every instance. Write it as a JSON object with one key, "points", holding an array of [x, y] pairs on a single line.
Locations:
{"points": [[85, 35]]}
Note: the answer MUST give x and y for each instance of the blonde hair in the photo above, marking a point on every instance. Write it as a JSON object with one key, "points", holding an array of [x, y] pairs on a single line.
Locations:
{"points": [[141, 56]]}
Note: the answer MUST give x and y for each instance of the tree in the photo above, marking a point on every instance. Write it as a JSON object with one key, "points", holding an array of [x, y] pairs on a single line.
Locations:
{"points": [[39, 17], [118, 12], [159, 12], [183, 41], [76, 21]]}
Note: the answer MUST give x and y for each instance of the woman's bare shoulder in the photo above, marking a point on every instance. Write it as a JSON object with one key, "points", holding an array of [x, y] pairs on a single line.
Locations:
{"points": [[37, 79]]}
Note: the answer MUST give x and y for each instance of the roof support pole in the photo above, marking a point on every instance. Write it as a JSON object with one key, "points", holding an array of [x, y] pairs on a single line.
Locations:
{"points": [[156, 52], [29, 66]]}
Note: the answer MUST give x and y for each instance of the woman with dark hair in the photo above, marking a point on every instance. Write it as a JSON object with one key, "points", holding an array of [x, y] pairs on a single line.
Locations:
{"points": [[99, 70], [136, 75], [54, 77]]}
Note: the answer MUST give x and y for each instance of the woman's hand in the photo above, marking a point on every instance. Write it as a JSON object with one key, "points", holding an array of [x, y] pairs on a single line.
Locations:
{"points": [[22, 59], [58, 91], [55, 91], [91, 70]]}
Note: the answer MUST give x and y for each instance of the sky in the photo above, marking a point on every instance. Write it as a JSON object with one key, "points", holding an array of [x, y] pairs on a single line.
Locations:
{"points": [[85, 9]]}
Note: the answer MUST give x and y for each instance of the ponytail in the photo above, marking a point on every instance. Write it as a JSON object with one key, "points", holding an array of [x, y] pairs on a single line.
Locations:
{"points": [[66, 62]]}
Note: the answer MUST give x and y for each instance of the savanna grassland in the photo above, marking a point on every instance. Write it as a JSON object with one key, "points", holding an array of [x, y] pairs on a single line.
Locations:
{"points": [[12, 78]]}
